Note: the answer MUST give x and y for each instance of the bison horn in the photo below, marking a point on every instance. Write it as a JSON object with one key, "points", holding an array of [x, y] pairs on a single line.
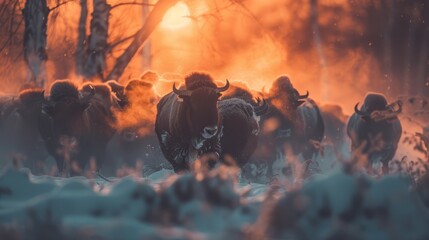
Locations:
{"points": [[359, 112], [224, 88], [391, 107], [261, 109], [399, 107], [304, 96], [181, 93], [91, 94]]}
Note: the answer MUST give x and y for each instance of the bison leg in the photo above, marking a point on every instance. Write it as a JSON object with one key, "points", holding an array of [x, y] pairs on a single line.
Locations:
{"points": [[99, 156], [389, 154], [212, 150], [385, 167], [59, 159], [174, 152]]}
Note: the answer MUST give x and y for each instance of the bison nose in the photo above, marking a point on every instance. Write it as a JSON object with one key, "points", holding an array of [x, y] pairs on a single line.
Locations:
{"points": [[209, 132]]}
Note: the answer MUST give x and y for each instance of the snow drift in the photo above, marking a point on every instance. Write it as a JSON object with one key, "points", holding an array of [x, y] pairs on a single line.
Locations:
{"points": [[337, 205]]}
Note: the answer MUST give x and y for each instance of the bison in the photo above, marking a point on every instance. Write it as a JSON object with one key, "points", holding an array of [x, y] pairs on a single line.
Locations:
{"points": [[241, 91], [240, 124], [103, 95], [292, 125], [135, 139], [375, 129], [335, 124], [295, 119], [76, 126], [187, 121], [19, 132]]}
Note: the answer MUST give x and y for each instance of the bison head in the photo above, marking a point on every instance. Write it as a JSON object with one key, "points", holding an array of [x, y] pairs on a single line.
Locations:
{"points": [[375, 108], [65, 106], [31, 101], [282, 86], [25, 113], [201, 110], [296, 99]]}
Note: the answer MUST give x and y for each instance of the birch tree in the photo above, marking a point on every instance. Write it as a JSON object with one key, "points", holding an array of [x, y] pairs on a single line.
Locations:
{"points": [[81, 39], [35, 14], [146, 51], [97, 41]]}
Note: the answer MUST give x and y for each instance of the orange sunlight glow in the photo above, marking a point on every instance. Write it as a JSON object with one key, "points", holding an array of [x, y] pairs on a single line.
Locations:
{"points": [[177, 17]]}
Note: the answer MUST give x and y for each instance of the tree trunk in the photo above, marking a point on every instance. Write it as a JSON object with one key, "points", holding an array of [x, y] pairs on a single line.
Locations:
{"points": [[35, 14], [146, 51], [81, 39], [154, 18], [97, 42]]}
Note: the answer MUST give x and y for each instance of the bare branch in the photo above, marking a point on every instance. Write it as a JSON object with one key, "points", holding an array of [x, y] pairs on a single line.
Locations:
{"points": [[131, 3], [119, 42], [214, 14], [248, 11], [59, 5], [18, 56], [5, 6], [10, 37], [11, 23], [154, 18]]}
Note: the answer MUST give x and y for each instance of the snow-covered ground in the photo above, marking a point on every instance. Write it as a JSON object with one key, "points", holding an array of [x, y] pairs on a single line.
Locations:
{"points": [[338, 200], [333, 205]]}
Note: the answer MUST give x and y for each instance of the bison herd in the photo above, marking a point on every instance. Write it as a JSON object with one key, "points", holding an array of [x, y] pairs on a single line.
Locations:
{"points": [[106, 125]]}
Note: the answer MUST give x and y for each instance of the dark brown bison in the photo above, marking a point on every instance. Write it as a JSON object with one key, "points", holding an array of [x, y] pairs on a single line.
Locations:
{"points": [[76, 126], [241, 91], [293, 125], [135, 140], [187, 121], [335, 123], [293, 119], [375, 129], [19, 132], [240, 124], [103, 95]]}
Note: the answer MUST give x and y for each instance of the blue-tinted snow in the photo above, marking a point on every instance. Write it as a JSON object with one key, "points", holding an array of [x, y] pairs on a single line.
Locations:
{"points": [[182, 207]]}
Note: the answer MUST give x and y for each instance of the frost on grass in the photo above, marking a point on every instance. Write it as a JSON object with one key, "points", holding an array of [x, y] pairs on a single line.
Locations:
{"points": [[343, 206], [335, 205]]}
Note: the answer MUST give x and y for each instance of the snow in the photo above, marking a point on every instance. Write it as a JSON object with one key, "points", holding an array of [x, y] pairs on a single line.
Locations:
{"points": [[355, 205], [169, 206]]}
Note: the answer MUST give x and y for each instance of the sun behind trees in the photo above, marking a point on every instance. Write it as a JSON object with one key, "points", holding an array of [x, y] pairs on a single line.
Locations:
{"points": [[326, 44], [92, 48]]}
